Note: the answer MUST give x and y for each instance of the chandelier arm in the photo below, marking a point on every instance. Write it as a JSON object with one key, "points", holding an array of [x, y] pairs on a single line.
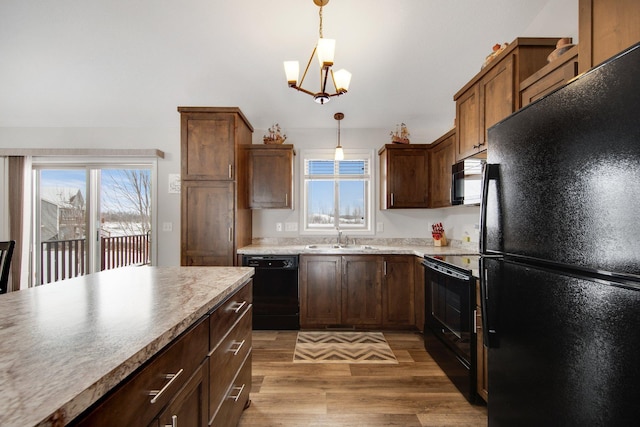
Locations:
{"points": [[323, 81], [301, 89], [307, 69]]}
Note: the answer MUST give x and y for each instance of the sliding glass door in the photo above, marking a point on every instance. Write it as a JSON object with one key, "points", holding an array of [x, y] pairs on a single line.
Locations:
{"points": [[90, 218]]}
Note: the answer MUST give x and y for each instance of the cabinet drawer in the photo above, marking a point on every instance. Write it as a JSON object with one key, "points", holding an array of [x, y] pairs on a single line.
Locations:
{"points": [[228, 313], [235, 398], [139, 399], [225, 361]]}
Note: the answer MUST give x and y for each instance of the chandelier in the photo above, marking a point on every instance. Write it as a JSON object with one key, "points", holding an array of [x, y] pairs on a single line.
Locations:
{"points": [[324, 49]]}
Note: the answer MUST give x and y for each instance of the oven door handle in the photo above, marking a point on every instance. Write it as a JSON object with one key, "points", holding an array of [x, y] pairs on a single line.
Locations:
{"points": [[445, 271]]}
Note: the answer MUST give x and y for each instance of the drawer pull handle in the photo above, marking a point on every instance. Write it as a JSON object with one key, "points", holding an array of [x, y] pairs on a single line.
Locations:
{"points": [[236, 350], [174, 421], [238, 394], [157, 393], [238, 306]]}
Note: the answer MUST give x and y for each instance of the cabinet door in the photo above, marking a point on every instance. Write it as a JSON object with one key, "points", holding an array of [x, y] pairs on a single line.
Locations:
{"points": [[605, 28], [361, 290], [207, 145], [398, 291], [207, 223], [270, 177], [407, 178], [320, 290], [442, 156], [468, 123], [497, 91], [189, 406], [551, 81]]}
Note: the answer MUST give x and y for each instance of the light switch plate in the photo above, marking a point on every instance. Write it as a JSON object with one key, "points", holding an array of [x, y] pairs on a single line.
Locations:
{"points": [[167, 226]]}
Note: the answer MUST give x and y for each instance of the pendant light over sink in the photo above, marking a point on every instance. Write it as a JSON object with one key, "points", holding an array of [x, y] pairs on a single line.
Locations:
{"points": [[339, 155], [325, 49]]}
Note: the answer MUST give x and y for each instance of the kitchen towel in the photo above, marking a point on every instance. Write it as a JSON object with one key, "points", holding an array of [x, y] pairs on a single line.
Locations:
{"points": [[342, 347]]}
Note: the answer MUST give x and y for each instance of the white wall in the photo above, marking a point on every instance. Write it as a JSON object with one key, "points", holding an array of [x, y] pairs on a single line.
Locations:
{"points": [[396, 222]]}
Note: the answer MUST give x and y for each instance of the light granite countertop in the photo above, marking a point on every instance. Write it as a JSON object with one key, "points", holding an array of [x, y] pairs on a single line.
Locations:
{"points": [[64, 345], [418, 250]]}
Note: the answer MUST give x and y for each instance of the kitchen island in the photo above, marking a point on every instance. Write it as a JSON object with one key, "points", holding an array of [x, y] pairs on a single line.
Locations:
{"points": [[64, 345]]}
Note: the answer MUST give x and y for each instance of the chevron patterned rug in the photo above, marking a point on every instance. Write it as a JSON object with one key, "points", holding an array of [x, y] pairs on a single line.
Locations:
{"points": [[342, 347]]}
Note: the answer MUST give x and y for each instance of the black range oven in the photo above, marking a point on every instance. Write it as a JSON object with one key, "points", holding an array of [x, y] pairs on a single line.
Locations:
{"points": [[449, 330]]}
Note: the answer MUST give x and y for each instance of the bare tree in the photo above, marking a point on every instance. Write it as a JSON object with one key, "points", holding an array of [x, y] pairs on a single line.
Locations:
{"points": [[127, 200]]}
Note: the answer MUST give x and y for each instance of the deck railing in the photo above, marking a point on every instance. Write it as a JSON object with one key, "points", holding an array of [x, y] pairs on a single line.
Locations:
{"points": [[63, 259]]}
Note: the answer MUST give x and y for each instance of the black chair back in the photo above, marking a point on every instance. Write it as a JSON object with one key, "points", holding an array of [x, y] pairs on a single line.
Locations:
{"points": [[6, 252]]}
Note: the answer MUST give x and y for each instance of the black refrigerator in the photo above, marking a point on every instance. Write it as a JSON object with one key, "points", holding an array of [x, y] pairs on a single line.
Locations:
{"points": [[560, 246]]}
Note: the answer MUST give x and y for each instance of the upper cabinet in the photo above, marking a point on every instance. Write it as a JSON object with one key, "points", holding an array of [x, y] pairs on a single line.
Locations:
{"points": [[552, 76], [271, 176], [605, 28], [404, 176], [442, 153], [208, 140], [494, 92]]}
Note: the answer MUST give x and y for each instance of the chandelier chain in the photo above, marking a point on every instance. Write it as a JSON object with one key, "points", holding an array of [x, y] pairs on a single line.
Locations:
{"points": [[320, 28]]}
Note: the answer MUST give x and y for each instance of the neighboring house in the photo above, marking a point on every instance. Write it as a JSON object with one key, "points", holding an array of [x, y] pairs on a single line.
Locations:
{"points": [[62, 213]]}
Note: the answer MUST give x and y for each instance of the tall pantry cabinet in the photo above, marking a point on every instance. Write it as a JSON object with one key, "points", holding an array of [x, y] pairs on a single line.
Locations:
{"points": [[215, 216]]}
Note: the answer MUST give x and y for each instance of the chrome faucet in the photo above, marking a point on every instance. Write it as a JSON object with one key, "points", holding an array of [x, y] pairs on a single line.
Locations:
{"points": [[339, 238]]}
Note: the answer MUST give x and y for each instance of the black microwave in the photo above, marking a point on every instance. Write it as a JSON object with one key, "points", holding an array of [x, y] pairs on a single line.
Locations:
{"points": [[466, 181]]}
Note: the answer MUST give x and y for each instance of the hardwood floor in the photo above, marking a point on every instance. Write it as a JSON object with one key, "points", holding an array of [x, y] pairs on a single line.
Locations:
{"points": [[414, 392]]}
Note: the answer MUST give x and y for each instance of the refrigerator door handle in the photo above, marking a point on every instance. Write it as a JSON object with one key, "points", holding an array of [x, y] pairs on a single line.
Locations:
{"points": [[489, 172], [489, 295]]}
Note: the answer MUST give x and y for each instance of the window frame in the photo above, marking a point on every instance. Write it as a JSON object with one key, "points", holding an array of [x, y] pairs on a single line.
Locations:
{"points": [[349, 154]]}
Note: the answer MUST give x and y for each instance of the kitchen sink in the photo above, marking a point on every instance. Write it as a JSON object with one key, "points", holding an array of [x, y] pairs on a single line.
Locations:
{"points": [[334, 247]]}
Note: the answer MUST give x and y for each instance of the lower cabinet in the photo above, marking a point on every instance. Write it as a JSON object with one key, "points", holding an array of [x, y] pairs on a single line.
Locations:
{"points": [[320, 290], [398, 294], [189, 407], [230, 355], [361, 291], [202, 377]]}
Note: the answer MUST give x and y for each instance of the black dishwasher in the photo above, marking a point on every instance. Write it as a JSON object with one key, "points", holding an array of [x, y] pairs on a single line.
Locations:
{"points": [[275, 291]]}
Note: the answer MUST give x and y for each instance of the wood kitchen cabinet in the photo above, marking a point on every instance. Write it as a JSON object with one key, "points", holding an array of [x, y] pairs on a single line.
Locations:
{"points": [[442, 155], [230, 359], [202, 377], [404, 178], [208, 223], [320, 290], [494, 92], [173, 375], [398, 299], [605, 28], [271, 176], [482, 370], [189, 407], [362, 290], [215, 216], [550, 77]]}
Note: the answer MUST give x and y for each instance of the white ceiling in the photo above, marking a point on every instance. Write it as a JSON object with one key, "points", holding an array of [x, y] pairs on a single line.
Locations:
{"points": [[130, 63]]}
